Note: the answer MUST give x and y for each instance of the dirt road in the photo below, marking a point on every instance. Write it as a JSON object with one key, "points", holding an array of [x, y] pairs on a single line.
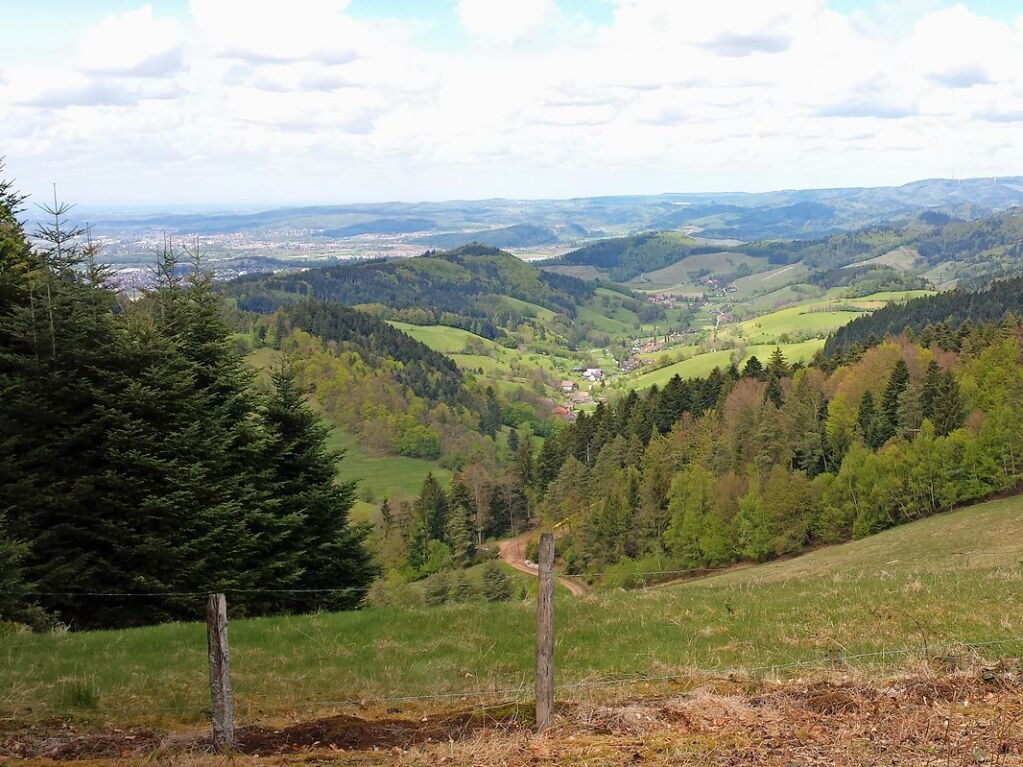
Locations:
{"points": [[512, 551]]}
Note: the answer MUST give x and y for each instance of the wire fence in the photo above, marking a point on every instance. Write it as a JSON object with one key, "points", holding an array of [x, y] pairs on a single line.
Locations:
{"points": [[515, 692]]}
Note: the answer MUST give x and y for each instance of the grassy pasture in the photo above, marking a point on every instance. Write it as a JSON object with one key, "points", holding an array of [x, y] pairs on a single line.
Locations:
{"points": [[952, 578], [679, 275], [817, 318], [441, 338], [387, 475], [702, 364]]}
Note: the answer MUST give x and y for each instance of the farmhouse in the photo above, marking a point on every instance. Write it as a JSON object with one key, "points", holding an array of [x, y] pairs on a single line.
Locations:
{"points": [[568, 386], [593, 374]]}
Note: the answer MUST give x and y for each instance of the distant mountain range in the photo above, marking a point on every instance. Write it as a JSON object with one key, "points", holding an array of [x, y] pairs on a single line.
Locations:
{"points": [[789, 214]]}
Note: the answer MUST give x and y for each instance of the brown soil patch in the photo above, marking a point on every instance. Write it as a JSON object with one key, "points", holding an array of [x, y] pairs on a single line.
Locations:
{"points": [[967, 717]]}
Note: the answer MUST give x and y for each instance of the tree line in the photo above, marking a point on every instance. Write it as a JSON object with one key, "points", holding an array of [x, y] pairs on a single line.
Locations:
{"points": [[766, 460]]}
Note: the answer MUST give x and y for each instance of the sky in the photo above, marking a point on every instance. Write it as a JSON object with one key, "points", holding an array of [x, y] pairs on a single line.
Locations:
{"points": [[245, 103]]}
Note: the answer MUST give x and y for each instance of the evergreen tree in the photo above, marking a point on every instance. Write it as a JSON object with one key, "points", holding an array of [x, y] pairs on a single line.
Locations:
{"points": [[463, 590], [437, 590], [865, 416], [753, 368], [929, 393], [461, 534], [777, 365], [497, 586], [309, 541], [897, 383], [948, 409], [16, 602], [432, 507], [773, 393], [524, 471], [386, 515]]}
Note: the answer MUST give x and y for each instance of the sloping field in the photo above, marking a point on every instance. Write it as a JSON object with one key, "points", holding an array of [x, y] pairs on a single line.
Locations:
{"points": [[898, 649], [933, 584], [904, 258], [702, 364], [444, 339], [682, 273]]}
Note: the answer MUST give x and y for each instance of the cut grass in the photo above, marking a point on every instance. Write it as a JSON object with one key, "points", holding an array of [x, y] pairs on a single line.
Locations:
{"points": [[930, 584]]}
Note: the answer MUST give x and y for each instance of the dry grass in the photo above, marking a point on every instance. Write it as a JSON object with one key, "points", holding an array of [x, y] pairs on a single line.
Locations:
{"points": [[954, 711]]}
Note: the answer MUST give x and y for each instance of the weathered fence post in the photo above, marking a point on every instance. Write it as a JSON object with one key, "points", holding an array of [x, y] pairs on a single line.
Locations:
{"points": [[545, 634], [220, 672]]}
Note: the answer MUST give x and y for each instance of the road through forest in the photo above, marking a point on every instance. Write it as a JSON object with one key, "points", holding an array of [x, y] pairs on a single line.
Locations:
{"points": [[512, 552]]}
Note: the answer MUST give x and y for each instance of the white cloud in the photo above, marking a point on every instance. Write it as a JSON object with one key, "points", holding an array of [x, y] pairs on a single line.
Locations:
{"points": [[302, 100], [506, 23], [133, 43]]}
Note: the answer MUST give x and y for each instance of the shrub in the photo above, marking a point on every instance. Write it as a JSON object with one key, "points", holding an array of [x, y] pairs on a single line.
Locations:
{"points": [[437, 590], [496, 584], [464, 590]]}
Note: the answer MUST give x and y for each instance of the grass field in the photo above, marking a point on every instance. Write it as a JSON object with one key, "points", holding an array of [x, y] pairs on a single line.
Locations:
{"points": [[815, 318], [702, 364], [442, 338], [933, 584], [679, 276], [388, 475]]}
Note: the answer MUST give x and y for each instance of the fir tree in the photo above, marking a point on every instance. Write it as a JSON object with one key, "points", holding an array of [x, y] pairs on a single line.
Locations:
{"points": [[461, 535], [897, 383], [929, 393], [432, 507], [437, 590], [753, 368], [463, 589], [497, 586], [310, 540], [866, 414], [773, 393], [948, 410]]}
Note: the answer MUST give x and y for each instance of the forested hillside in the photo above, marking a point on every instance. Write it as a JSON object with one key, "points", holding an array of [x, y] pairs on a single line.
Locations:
{"points": [[395, 395], [771, 459], [461, 288], [950, 309], [947, 249], [626, 257]]}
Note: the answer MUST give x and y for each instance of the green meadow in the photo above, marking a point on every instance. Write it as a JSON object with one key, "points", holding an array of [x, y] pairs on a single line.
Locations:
{"points": [[924, 588]]}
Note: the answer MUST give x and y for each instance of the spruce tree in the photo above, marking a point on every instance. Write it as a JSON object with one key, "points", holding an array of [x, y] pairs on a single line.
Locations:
{"points": [[461, 535], [897, 383], [929, 392], [865, 415], [497, 586], [432, 507], [307, 539], [17, 604], [773, 393], [463, 590], [949, 410], [437, 590]]}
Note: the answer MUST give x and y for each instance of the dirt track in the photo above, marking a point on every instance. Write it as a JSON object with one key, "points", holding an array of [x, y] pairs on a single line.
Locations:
{"points": [[512, 552]]}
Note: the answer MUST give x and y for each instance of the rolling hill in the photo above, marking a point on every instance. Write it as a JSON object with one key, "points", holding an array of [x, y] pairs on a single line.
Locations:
{"points": [[462, 288]]}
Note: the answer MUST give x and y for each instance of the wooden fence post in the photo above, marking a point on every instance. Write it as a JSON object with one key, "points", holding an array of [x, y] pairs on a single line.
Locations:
{"points": [[220, 672], [545, 634]]}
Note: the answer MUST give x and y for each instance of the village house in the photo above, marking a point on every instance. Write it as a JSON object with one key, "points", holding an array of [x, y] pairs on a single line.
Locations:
{"points": [[568, 386], [565, 413], [582, 398], [593, 374]]}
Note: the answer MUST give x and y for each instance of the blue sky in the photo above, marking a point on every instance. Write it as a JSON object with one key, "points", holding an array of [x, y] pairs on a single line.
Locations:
{"points": [[231, 102]]}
